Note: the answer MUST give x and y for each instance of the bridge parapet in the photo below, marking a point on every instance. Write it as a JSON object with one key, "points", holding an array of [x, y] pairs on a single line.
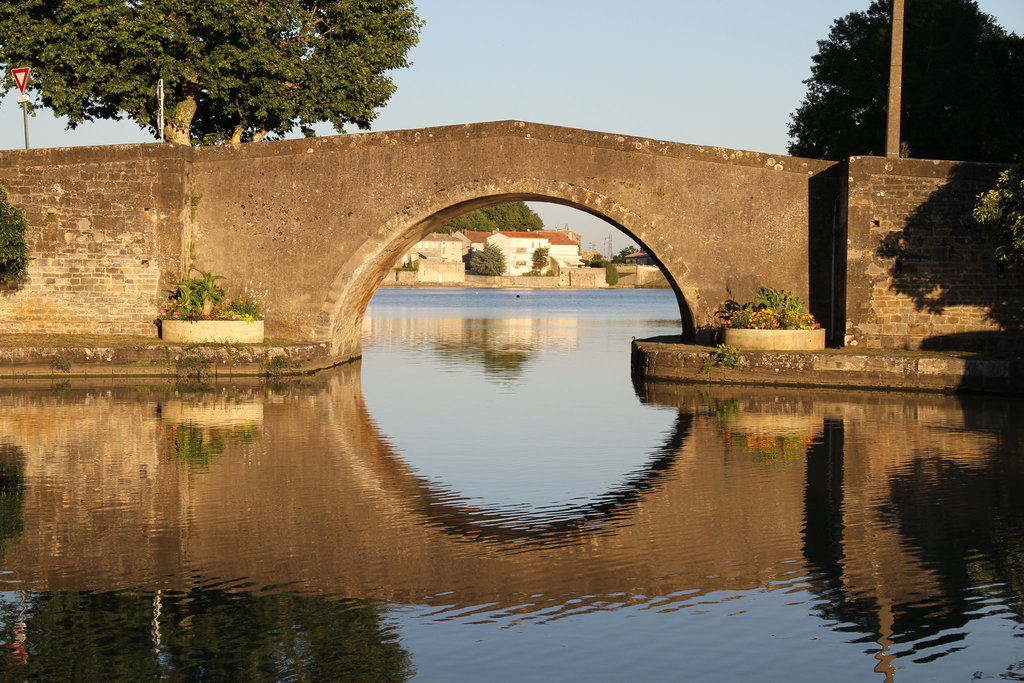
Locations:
{"points": [[311, 227]]}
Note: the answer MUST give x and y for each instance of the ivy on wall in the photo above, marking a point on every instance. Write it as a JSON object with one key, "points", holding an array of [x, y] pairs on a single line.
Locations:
{"points": [[13, 248]]}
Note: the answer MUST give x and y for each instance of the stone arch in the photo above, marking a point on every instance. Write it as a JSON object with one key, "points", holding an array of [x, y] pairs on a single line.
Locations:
{"points": [[341, 314]]}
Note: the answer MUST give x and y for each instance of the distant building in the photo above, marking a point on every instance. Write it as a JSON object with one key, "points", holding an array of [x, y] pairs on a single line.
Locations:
{"points": [[640, 258], [564, 251], [518, 248], [475, 239], [445, 248]]}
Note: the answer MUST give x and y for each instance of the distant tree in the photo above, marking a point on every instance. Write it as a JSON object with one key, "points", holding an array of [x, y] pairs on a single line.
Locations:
{"points": [[233, 70], [1002, 208], [963, 86], [13, 248], [623, 253], [510, 216], [540, 259], [490, 261], [596, 261], [611, 273]]}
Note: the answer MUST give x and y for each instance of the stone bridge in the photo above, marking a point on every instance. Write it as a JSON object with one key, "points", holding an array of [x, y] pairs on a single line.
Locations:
{"points": [[311, 227]]}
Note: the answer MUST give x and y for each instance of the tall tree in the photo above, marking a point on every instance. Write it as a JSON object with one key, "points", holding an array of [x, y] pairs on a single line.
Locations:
{"points": [[511, 216], [233, 70], [963, 86], [489, 261]]}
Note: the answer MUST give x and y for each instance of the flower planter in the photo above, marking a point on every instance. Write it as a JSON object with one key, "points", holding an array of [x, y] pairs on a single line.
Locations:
{"points": [[774, 340], [212, 331]]}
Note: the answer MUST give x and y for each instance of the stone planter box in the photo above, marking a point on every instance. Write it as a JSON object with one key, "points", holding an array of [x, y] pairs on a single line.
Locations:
{"points": [[212, 331], [774, 340]]}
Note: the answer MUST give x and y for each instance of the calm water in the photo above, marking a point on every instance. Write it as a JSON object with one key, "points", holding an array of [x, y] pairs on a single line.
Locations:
{"points": [[487, 496]]}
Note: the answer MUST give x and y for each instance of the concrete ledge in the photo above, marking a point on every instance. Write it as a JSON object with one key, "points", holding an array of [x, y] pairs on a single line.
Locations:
{"points": [[216, 331], [667, 358], [777, 340], [161, 360]]}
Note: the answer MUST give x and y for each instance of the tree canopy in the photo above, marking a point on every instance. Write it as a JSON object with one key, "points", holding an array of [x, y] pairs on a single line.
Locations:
{"points": [[962, 86], [233, 70], [1002, 208], [510, 216], [489, 261]]}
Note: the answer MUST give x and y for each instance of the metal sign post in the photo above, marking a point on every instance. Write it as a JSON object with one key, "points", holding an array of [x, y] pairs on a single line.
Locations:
{"points": [[21, 78]]}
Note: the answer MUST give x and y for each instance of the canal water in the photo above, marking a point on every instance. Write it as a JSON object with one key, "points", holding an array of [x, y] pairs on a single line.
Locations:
{"points": [[488, 496]]}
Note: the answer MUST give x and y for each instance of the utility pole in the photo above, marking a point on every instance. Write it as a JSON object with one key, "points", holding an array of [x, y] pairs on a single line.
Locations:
{"points": [[892, 133]]}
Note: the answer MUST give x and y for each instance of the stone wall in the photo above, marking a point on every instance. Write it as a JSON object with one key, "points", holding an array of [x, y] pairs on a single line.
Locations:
{"points": [[883, 251], [921, 273], [105, 237]]}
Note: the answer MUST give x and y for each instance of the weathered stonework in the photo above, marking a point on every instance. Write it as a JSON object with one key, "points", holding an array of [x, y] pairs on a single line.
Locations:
{"points": [[105, 237], [883, 250], [921, 271]]}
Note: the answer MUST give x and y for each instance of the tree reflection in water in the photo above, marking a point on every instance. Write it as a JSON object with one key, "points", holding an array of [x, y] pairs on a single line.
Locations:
{"points": [[12, 497], [205, 634]]}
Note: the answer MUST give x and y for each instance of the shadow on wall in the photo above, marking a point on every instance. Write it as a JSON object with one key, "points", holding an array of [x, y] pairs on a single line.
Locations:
{"points": [[945, 262]]}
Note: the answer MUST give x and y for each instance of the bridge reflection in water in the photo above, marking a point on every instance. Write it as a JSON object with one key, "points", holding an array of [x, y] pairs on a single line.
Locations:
{"points": [[845, 495]]}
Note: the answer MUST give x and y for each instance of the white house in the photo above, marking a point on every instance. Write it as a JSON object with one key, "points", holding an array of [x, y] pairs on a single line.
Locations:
{"points": [[446, 248], [564, 250], [518, 248]]}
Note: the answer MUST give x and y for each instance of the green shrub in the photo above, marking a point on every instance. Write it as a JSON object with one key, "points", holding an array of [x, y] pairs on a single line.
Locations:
{"points": [[13, 248], [611, 274]]}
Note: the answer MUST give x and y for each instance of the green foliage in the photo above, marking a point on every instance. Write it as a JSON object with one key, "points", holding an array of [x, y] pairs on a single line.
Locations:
{"points": [[244, 307], [233, 70], [623, 253], [962, 86], [195, 296], [778, 300], [489, 261], [60, 364], [1002, 208], [540, 259], [611, 274], [769, 309], [207, 634], [190, 366], [725, 356], [509, 217], [13, 248]]}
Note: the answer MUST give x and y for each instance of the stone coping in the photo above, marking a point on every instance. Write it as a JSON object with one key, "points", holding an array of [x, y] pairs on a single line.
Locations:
{"points": [[668, 358], [160, 359]]}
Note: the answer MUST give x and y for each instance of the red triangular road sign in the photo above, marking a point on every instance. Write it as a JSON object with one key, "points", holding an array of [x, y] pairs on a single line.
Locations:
{"points": [[21, 77]]}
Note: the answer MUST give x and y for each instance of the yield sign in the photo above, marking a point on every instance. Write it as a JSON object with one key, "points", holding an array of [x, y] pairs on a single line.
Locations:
{"points": [[21, 77]]}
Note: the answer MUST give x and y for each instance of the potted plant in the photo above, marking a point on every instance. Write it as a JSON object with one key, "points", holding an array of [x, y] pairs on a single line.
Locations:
{"points": [[198, 312], [773, 320]]}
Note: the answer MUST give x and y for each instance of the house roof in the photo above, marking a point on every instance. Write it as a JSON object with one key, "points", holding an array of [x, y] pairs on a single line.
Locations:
{"points": [[476, 236], [524, 235], [638, 254], [559, 238], [439, 237]]}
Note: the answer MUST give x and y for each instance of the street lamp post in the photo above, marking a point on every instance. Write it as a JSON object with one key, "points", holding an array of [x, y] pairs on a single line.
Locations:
{"points": [[892, 134]]}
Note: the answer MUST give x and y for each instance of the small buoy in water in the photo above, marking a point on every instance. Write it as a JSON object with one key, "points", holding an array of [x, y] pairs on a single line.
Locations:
{"points": [[517, 296]]}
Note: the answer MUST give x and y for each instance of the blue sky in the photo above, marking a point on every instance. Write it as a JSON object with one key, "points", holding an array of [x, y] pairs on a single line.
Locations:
{"points": [[727, 73]]}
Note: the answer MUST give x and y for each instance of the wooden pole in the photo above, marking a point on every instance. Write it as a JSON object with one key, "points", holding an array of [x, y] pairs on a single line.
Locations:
{"points": [[892, 136]]}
